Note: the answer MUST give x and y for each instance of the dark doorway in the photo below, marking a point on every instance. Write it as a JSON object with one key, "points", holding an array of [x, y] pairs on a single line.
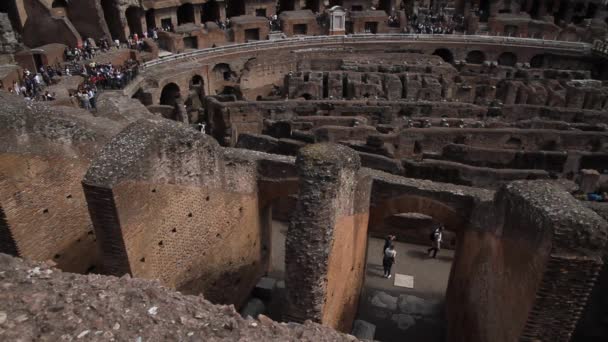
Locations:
{"points": [[484, 10], [371, 27], [260, 12], [185, 14], [59, 4], [169, 95], [252, 34], [60, 8], [38, 61], [537, 61], [198, 83], [507, 59], [445, 54], [349, 27], [235, 8], [190, 42], [286, 5], [134, 15], [112, 16], [210, 11], [475, 57], [300, 29], [312, 5], [511, 30], [151, 18], [166, 23], [385, 5]]}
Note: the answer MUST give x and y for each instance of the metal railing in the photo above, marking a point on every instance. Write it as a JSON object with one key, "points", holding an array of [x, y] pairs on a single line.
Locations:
{"points": [[583, 48]]}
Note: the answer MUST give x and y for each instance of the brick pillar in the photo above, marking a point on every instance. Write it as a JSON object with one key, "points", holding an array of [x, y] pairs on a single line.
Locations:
{"points": [[333, 203]]}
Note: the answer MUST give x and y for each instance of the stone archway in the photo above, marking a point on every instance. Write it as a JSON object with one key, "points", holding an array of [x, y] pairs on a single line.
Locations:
{"points": [[185, 14], [475, 57], [507, 59], [169, 94], [210, 11], [439, 211], [134, 16], [112, 17], [445, 54]]}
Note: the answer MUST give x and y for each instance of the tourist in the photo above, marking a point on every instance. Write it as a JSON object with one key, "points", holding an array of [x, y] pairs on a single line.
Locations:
{"points": [[436, 238], [388, 240], [389, 260]]}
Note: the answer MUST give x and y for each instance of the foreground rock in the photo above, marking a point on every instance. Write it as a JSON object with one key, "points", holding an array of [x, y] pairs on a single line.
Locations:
{"points": [[43, 304]]}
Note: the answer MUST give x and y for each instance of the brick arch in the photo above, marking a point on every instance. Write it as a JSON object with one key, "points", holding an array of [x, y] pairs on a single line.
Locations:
{"points": [[438, 210]]}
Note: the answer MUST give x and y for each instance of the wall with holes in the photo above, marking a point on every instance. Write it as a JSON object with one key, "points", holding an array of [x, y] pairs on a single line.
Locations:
{"points": [[168, 203]]}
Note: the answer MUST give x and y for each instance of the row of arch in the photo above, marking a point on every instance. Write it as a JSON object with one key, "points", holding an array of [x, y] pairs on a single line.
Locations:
{"points": [[478, 57], [140, 20]]}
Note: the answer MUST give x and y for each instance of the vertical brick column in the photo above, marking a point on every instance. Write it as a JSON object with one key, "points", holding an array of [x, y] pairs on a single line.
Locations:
{"points": [[327, 202]]}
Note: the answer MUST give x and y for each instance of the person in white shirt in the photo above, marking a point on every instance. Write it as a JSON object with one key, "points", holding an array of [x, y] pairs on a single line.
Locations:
{"points": [[389, 260], [436, 238]]}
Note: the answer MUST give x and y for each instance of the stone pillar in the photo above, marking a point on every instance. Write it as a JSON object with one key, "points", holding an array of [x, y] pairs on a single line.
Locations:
{"points": [[197, 14], [327, 237], [222, 7]]}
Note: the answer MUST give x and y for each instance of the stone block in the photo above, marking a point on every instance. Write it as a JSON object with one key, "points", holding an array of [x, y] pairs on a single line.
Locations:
{"points": [[363, 330]]}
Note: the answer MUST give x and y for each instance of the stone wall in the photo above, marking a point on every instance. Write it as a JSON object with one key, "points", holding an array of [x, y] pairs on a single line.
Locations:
{"points": [[536, 244], [168, 204], [44, 154], [327, 237]]}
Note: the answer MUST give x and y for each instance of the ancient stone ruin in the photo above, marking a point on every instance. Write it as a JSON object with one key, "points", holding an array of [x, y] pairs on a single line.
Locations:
{"points": [[228, 170]]}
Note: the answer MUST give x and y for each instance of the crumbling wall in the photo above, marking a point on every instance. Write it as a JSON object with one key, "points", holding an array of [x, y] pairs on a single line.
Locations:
{"points": [[42, 28], [43, 156], [535, 244], [327, 237], [167, 205]]}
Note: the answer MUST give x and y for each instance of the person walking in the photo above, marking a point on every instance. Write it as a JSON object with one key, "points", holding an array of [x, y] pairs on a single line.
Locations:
{"points": [[436, 238], [389, 260], [388, 240]]}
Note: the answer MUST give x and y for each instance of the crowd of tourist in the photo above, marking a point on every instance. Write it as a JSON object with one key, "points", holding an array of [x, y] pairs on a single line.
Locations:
{"points": [[33, 84], [433, 23]]}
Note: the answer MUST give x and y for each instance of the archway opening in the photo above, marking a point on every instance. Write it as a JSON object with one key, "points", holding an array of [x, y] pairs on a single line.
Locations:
{"points": [[198, 84], [112, 17], [537, 61], [235, 8], [445, 54], [507, 59], [210, 11], [222, 71], [134, 16], [286, 5], [169, 95], [475, 57], [312, 5], [151, 18], [185, 14], [59, 4]]}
